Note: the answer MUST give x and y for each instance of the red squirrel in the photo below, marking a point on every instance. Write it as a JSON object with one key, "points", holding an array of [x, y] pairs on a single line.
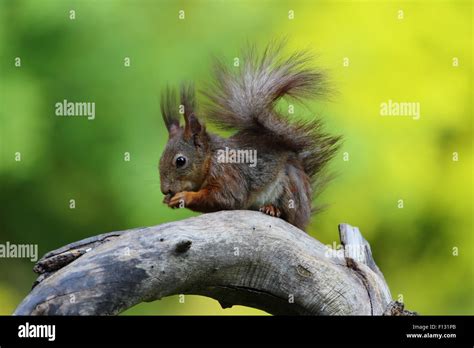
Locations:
{"points": [[290, 155]]}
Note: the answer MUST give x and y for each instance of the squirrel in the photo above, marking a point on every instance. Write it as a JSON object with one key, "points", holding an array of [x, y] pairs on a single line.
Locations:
{"points": [[291, 155]]}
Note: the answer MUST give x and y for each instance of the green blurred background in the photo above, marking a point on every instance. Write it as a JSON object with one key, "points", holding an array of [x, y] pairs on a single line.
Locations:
{"points": [[390, 158]]}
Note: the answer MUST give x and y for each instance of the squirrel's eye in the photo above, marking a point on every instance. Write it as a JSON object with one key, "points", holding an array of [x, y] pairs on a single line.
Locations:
{"points": [[180, 161]]}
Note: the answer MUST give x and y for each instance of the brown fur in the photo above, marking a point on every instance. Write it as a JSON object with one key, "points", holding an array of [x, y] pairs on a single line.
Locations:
{"points": [[291, 156]]}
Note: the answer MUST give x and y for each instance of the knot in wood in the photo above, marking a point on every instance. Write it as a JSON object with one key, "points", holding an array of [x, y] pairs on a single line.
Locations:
{"points": [[183, 246]]}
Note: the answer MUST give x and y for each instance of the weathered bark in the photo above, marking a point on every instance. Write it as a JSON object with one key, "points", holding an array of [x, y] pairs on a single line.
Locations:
{"points": [[235, 257]]}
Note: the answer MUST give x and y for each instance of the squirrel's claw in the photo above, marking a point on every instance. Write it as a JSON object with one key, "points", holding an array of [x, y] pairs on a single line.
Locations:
{"points": [[167, 198], [271, 210], [179, 200]]}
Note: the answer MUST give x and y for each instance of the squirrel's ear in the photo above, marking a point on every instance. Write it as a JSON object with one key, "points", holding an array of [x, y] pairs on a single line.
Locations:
{"points": [[170, 110], [192, 126], [195, 130]]}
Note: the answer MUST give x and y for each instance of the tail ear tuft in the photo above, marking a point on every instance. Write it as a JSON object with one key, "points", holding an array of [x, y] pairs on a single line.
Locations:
{"points": [[188, 100], [169, 110]]}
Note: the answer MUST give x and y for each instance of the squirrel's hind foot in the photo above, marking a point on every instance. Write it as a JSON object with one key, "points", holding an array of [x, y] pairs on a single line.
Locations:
{"points": [[271, 210]]}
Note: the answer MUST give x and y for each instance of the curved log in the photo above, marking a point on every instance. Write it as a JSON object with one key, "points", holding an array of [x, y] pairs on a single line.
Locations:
{"points": [[235, 257]]}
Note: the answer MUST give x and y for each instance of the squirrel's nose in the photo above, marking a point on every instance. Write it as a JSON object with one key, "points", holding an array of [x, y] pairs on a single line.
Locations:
{"points": [[166, 191]]}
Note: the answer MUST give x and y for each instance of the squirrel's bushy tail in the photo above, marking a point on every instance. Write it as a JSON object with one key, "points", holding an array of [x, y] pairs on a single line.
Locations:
{"points": [[244, 98]]}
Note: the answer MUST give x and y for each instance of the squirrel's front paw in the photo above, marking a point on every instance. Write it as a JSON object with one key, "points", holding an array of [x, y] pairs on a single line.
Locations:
{"points": [[180, 200]]}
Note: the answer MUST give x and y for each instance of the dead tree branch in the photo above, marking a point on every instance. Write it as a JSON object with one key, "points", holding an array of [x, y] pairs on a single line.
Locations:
{"points": [[236, 257]]}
